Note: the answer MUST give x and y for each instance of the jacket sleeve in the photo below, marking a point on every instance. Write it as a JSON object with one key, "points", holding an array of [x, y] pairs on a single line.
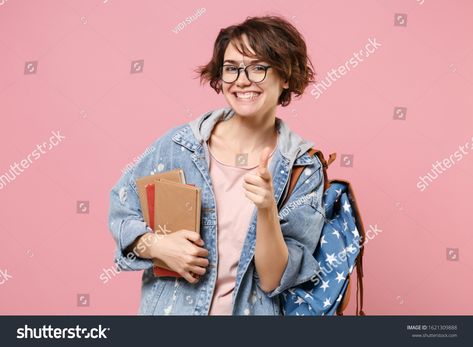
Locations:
{"points": [[301, 220], [126, 223]]}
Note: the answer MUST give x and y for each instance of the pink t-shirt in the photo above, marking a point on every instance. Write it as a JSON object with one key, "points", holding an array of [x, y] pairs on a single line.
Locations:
{"points": [[234, 211]]}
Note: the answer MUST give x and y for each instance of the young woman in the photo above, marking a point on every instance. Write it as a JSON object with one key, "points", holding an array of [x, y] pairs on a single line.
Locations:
{"points": [[241, 157]]}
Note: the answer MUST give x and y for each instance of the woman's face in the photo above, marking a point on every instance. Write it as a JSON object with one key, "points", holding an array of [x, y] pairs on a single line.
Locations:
{"points": [[250, 99]]}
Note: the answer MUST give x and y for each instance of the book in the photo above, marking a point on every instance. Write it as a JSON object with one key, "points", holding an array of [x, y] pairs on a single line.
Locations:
{"points": [[168, 205], [176, 207], [176, 175]]}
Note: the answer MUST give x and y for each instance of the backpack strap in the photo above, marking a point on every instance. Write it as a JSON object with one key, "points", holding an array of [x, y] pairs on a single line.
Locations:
{"points": [[359, 259], [296, 172]]}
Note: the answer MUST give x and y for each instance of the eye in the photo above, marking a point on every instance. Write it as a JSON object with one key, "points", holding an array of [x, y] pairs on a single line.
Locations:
{"points": [[230, 68], [258, 68]]}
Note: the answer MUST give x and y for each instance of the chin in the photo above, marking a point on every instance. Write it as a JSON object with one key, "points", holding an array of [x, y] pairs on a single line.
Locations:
{"points": [[246, 112]]}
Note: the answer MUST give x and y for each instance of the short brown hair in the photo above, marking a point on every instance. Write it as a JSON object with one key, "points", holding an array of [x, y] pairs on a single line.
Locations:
{"points": [[275, 41]]}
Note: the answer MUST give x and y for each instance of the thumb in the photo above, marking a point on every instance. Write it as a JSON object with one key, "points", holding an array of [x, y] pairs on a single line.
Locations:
{"points": [[264, 158], [192, 236]]}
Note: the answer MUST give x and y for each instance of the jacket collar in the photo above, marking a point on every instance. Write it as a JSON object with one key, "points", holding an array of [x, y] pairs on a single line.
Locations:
{"points": [[290, 145]]}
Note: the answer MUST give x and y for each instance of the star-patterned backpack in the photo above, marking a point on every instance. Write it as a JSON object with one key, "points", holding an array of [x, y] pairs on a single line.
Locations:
{"points": [[338, 252]]}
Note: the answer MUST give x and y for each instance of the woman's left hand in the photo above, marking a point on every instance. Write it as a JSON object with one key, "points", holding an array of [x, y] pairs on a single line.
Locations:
{"points": [[259, 187]]}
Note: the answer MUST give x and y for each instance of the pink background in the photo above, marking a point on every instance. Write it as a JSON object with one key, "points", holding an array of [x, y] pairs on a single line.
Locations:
{"points": [[84, 89]]}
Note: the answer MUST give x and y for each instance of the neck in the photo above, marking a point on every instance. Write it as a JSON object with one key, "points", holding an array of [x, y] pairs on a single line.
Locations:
{"points": [[248, 134]]}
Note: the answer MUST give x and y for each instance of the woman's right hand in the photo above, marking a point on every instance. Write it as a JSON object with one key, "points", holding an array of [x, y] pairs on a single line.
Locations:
{"points": [[182, 251]]}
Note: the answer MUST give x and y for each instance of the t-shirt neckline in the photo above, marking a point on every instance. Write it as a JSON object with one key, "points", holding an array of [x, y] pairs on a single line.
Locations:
{"points": [[240, 167]]}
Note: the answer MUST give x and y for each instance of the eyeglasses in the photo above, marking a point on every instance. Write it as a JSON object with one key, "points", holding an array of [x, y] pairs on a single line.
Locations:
{"points": [[254, 72]]}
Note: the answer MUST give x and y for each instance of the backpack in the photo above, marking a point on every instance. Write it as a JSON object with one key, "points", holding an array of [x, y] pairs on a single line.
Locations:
{"points": [[328, 293]]}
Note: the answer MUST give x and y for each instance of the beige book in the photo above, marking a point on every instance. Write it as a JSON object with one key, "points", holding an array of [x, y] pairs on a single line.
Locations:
{"points": [[176, 175], [176, 207]]}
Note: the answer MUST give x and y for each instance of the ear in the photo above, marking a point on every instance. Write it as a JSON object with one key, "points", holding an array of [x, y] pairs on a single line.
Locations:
{"points": [[285, 85]]}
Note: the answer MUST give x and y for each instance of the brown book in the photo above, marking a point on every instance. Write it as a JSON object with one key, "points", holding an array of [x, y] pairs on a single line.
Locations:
{"points": [[176, 175], [161, 219], [176, 207]]}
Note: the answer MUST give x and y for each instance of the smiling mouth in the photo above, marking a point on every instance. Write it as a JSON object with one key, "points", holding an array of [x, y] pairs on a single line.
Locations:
{"points": [[247, 96]]}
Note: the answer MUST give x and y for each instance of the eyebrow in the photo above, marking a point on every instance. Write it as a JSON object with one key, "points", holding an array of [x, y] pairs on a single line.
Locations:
{"points": [[236, 62]]}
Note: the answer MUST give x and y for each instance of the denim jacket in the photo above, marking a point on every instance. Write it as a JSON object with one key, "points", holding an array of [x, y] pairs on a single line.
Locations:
{"points": [[301, 220]]}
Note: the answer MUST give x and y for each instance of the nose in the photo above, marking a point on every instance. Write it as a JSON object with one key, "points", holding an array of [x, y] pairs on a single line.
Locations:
{"points": [[242, 80]]}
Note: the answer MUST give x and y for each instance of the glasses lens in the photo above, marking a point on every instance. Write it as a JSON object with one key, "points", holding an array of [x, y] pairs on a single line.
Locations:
{"points": [[257, 73], [229, 73]]}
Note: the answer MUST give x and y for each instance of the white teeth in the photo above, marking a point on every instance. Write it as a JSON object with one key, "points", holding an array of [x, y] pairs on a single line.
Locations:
{"points": [[247, 95]]}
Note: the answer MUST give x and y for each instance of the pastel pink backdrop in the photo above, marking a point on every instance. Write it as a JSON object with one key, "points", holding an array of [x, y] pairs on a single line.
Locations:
{"points": [[84, 89]]}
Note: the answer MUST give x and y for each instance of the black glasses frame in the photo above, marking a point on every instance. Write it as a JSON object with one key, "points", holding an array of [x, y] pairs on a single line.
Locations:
{"points": [[266, 67]]}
